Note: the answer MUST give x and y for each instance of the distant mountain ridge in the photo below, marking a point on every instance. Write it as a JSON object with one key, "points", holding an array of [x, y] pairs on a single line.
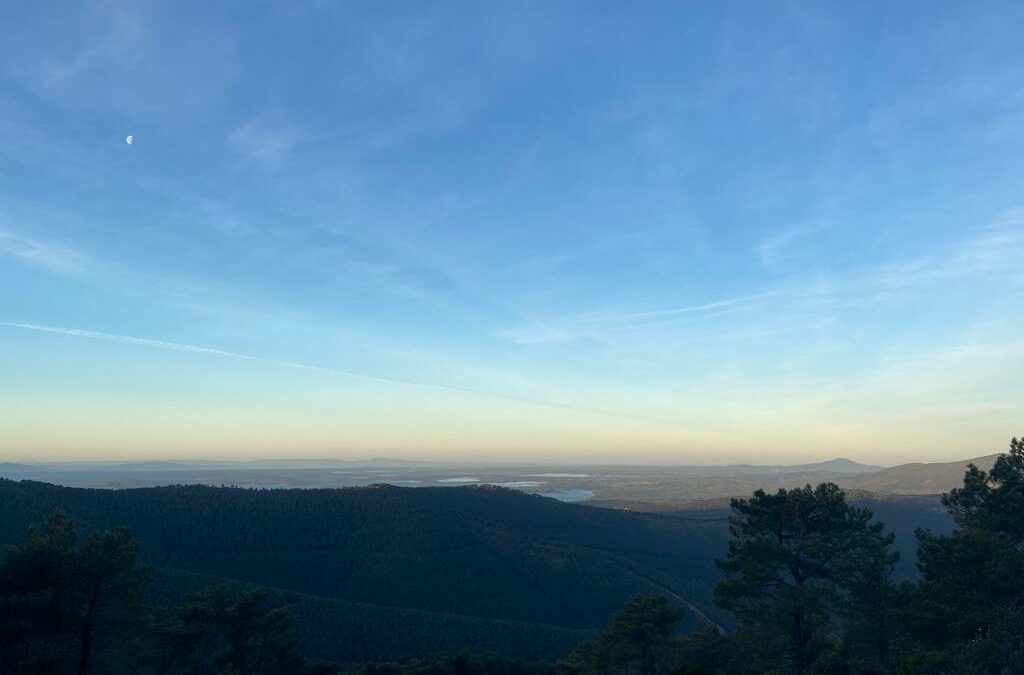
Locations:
{"points": [[837, 465], [842, 465], [15, 466], [624, 484], [918, 478]]}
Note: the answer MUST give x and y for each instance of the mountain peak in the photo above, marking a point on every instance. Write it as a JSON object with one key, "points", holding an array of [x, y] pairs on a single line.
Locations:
{"points": [[843, 465]]}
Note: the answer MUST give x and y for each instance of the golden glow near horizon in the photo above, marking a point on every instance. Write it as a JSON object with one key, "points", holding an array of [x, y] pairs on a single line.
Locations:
{"points": [[146, 403]]}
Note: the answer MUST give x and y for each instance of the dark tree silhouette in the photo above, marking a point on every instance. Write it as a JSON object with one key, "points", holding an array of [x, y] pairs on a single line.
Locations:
{"points": [[105, 568], [211, 631], [637, 642], [794, 560], [969, 607], [39, 601], [53, 593], [59, 600]]}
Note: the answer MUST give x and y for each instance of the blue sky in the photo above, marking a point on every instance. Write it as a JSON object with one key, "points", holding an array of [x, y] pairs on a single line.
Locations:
{"points": [[686, 232]]}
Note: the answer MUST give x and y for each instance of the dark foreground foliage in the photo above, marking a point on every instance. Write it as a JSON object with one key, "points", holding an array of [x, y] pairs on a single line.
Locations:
{"points": [[73, 608], [807, 575]]}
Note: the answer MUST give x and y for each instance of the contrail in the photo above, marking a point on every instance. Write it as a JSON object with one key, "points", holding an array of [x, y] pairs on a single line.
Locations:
{"points": [[682, 311], [196, 349]]}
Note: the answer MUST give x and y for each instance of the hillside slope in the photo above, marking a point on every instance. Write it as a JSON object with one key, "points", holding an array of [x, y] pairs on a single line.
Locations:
{"points": [[351, 632], [918, 478], [485, 552]]}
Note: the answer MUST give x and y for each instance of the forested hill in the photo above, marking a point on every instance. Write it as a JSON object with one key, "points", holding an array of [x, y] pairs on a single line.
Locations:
{"points": [[475, 551]]}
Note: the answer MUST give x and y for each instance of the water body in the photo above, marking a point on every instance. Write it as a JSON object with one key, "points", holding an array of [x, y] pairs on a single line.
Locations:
{"points": [[569, 495]]}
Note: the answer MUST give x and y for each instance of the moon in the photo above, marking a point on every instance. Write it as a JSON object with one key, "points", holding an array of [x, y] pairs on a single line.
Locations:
{"points": [[129, 139]]}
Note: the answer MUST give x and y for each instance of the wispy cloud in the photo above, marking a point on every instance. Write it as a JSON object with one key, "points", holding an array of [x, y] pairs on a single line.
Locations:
{"points": [[781, 244], [993, 252], [123, 30], [264, 144], [593, 324], [997, 248], [50, 255]]}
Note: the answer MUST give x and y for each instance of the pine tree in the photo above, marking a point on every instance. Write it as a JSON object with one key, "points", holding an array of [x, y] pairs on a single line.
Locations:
{"points": [[969, 608], [54, 594], [795, 560], [40, 601], [637, 642], [109, 582]]}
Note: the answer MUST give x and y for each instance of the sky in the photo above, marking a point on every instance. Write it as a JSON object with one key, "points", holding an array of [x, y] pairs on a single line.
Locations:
{"points": [[652, 232]]}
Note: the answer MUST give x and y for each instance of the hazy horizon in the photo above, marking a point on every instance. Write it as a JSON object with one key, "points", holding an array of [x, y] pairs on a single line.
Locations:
{"points": [[524, 460], [679, 233], [370, 461]]}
